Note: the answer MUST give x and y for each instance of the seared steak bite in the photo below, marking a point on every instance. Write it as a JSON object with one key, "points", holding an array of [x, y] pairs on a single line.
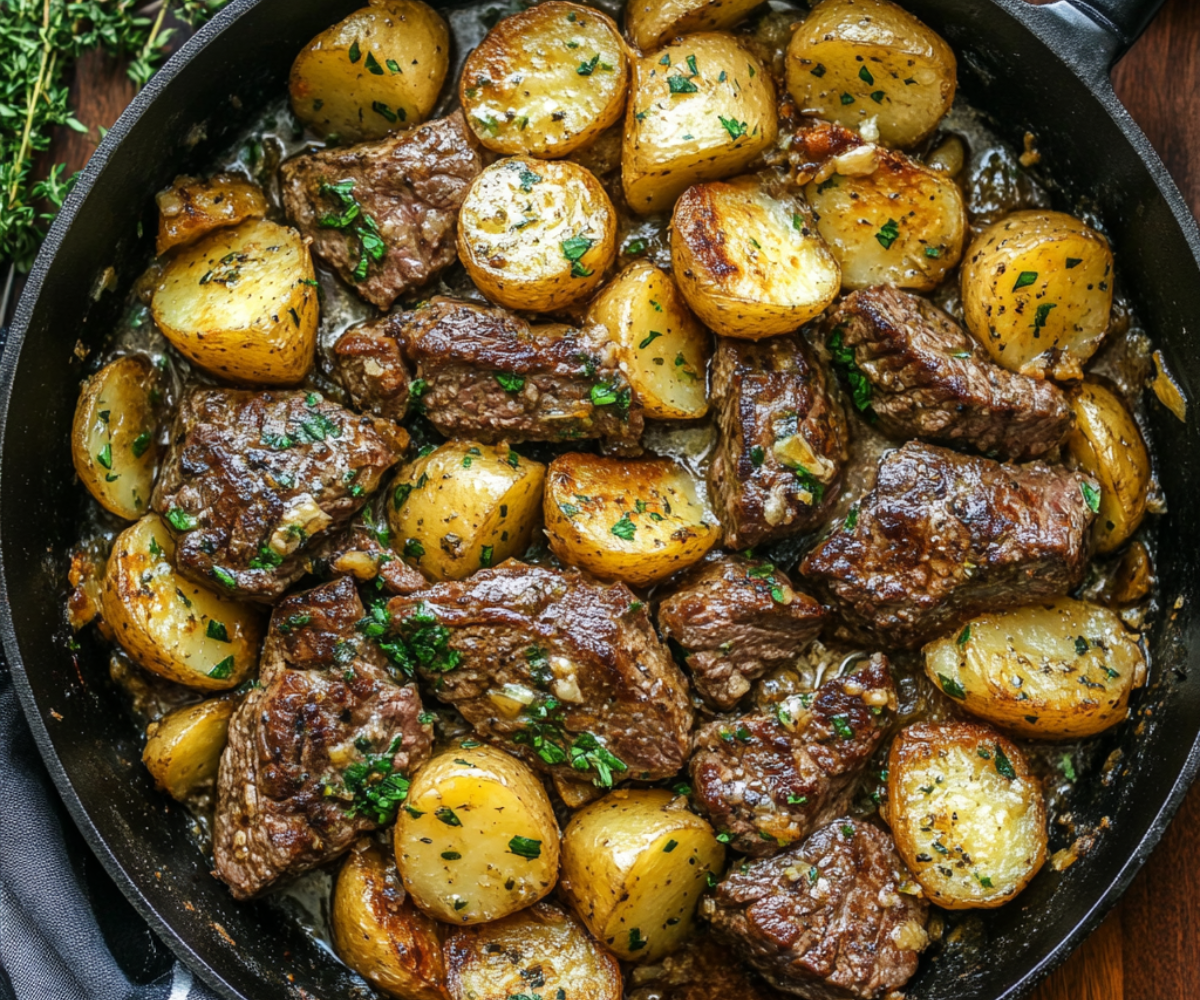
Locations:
{"points": [[829, 919], [768, 778], [926, 377], [384, 214], [367, 363], [943, 536], [735, 619], [566, 673], [318, 754], [485, 374], [701, 970], [777, 469], [255, 482]]}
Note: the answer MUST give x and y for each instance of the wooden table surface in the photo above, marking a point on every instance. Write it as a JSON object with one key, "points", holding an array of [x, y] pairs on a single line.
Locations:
{"points": [[1149, 947]]}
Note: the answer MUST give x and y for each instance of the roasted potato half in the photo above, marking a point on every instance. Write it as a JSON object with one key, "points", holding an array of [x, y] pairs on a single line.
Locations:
{"points": [[184, 747], [465, 506], [700, 108], [114, 438], [1060, 670], [637, 520], [966, 813], [193, 207], [870, 65], [664, 348], [1037, 292], [477, 839], [545, 942], [379, 932], [170, 625], [536, 235], [652, 22], [634, 865], [749, 262], [546, 80], [890, 220], [242, 304], [1107, 444], [379, 70]]}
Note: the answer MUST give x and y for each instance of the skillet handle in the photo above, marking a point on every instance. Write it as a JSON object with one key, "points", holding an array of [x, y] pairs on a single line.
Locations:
{"points": [[1115, 24]]}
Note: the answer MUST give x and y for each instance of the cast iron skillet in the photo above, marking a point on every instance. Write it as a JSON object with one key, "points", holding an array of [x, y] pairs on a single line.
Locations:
{"points": [[1042, 69]]}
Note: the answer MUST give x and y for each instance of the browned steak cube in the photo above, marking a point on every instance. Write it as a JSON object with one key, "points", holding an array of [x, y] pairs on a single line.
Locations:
{"points": [[255, 482], [484, 373], [943, 536], [768, 779], [384, 214], [778, 466], [566, 673], [701, 970], [921, 375], [830, 919], [320, 752], [737, 618], [367, 363]]}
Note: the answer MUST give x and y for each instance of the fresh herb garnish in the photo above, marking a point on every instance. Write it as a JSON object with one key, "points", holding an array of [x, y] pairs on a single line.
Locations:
{"points": [[952, 687], [1004, 765], [1024, 279], [888, 234], [181, 520], [223, 670], [525, 847], [217, 630], [510, 383], [624, 528]]}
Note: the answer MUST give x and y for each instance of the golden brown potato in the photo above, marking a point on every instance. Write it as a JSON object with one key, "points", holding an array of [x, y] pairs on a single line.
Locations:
{"points": [[242, 304], [465, 506], [664, 349], [750, 263], [634, 865], [546, 81], [114, 438], [379, 932], [1059, 670], [870, 65], [889, 220], [1107, 444], [699, 109], [966, 813], [379, 70], [1037, 292], [652, 22], [170, 625], [183, 748], [193, 207], [499, 959], [477, 839], [637, 520], [536, 235]]}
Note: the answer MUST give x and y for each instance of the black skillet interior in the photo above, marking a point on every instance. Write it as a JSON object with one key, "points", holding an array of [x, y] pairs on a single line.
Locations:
{"points": [[191, 110]]}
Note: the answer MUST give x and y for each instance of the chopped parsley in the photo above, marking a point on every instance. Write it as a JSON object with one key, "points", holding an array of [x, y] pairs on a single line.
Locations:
{"points": [[140, 444], [841, 726], [1004, 765], [525, 847], [485, 556], [355, 222], [654, 334], [636, 941], [952, 687], [757, 455], [510, 383], [217, 630], [735, 128], [573, 249], [677, 83], [1025, 279], [888, 234], [964, 636], [1042, 314], [624, 528], [413, 548], [447, 816], [224, 577], [1091, 496], [634, 247], [181, 520], [844, 361], [864, 74], [377, 790], [222, 670], [669, 846]]}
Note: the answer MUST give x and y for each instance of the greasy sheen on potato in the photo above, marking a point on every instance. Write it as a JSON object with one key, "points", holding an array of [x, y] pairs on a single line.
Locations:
{"points": [[114, 437], [634, 865], [1059, 670], [636, 520], [750, 262], [966, 813], [379, 932], [652, 22], [1037, 292], [169, 625], [700, 108], [193, 207], [545, 81], [536, 235], [871, 66], [664, 348], [241, 304], [183, 748], [379, 70], [477, 838], [465, 506], [546, 942]]}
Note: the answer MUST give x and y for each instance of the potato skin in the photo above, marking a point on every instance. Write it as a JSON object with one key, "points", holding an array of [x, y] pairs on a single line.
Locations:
{"points": [[950, 800], [377, 70], [114, 436], [183, 748], [1059, 670], [193, 207], [241, 304], [652, 22], [1037, 292], [636, 520], [635, 891], [546, 81], [910, 72], [380, 933]]}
